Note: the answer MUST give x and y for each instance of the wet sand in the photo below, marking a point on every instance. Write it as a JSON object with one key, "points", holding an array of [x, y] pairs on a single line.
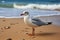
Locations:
{"points": [[15, 29]]}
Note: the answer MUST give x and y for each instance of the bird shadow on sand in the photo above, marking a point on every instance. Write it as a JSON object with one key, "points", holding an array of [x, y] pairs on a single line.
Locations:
{"points": [[46, 34]]}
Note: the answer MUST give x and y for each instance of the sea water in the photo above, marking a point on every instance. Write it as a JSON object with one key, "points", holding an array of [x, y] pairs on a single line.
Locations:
{"points": [[13, 12], [13, 8]]}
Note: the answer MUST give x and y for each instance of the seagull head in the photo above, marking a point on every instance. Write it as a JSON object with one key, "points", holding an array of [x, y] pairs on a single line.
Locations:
{"points": [[25, 13]]}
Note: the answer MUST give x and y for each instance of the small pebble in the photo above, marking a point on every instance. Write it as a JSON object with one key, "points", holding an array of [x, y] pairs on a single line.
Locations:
{"points": [[23, 39], [9, 39], [8, 27], [26, 33]]}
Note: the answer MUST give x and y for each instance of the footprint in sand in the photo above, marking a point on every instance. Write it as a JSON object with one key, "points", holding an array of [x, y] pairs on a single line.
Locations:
{"points": [[7, 27], [4, 20], [12, 23], [1, 30], [26, 28]]}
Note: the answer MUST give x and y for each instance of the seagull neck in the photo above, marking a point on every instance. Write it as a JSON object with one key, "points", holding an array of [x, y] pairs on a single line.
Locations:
{"points": [[26, 17]]}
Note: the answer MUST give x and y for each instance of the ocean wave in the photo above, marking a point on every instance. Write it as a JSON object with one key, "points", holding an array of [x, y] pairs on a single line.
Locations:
{"points": [[38, 6]]}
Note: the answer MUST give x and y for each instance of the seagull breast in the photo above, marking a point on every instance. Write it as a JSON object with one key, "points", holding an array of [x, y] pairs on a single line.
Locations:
{"points": [[28, 21]]}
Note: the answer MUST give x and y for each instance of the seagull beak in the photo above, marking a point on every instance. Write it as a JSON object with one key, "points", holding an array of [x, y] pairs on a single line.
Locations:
{"points": [[21, 14]]}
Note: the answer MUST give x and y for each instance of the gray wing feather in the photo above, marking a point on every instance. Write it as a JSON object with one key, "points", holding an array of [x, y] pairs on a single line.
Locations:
{"points": [[38, 22]]}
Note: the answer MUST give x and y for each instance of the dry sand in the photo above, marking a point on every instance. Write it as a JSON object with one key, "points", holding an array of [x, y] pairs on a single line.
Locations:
{"points": [[15, 29]]}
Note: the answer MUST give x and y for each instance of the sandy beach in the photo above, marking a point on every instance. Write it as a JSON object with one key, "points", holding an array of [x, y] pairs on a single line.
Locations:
{"points": [[12, 26], [15, 29]]}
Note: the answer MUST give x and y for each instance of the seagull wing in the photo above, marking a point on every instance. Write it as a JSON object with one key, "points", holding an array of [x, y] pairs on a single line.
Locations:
{"points": [[38, 22]]}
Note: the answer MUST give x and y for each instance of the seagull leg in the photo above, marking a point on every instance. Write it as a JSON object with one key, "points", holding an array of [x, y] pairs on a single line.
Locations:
{"points": [[33, 32]]}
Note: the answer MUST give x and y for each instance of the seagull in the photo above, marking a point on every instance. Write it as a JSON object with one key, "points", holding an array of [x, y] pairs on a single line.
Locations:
{"points": [[33, 22]]}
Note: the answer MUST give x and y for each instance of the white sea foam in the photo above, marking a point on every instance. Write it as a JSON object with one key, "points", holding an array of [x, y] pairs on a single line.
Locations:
{"points": [[11, 17], [38, 6], [1, 16]]}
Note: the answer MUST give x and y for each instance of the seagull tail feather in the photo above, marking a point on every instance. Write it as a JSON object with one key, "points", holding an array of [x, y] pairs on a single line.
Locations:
{"points": [[49, 23]]}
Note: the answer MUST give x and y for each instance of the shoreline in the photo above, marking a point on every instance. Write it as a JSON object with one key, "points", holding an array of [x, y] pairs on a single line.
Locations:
{"points": [[55, 19]]}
